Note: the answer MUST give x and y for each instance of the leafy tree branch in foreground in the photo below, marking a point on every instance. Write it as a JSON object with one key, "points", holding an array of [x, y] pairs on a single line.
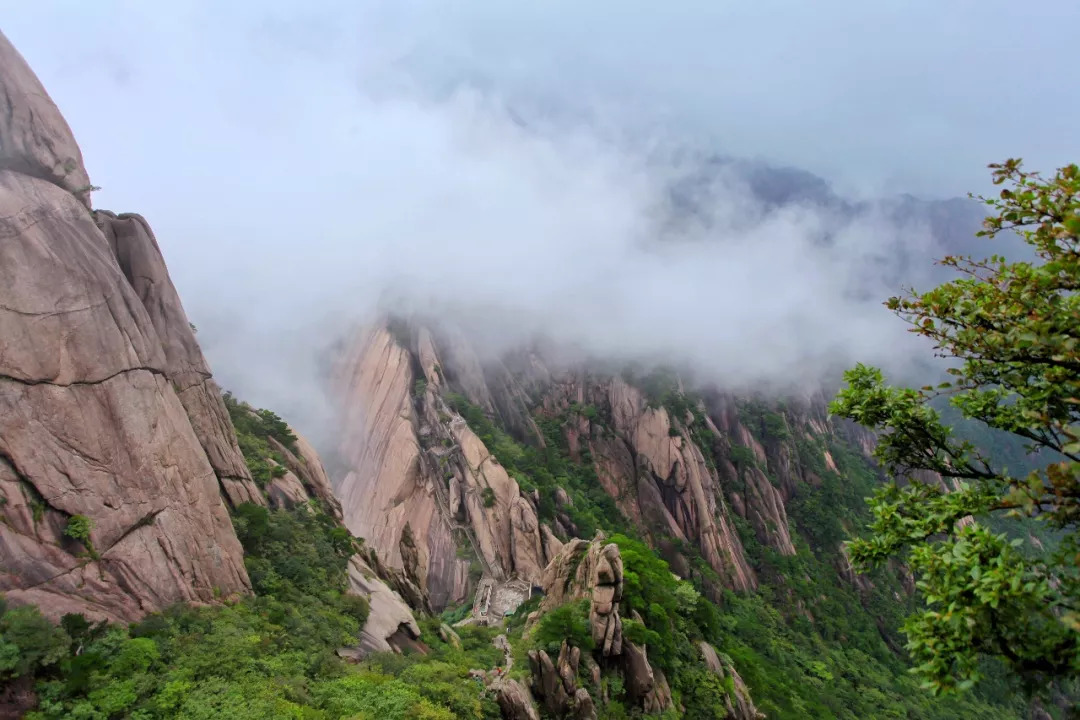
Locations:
{"points": [[1011, 332]]}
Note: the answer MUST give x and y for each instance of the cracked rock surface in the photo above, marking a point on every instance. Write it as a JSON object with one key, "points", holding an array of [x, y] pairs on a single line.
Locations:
{"points": [[107, 408]]}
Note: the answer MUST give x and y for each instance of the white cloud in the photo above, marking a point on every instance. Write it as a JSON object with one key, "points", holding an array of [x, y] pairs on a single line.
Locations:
{"points": [[300, 161]]}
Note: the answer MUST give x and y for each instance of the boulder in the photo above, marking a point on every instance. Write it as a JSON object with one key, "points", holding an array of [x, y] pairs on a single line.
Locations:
{"points": [[389, 614], [514, 701]]}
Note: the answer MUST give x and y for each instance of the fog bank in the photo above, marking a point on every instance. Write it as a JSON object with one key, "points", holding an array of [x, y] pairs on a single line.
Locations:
{"points": [[548, 171]]}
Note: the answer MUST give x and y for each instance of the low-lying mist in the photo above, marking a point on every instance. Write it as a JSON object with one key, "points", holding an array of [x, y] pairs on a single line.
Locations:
{"points": [[455, 210], [305, 170]]}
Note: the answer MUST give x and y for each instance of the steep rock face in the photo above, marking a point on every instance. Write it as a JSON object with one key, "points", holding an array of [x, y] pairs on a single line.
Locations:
{"points": [[313, 473], [645, 684], [308, 472], [681, 471], [92, 422], [655, 472], [384, 488], [490, 386], [139, 256], [298, 481], [514, 700], [421, 486], [753, 494], [593, 570]]}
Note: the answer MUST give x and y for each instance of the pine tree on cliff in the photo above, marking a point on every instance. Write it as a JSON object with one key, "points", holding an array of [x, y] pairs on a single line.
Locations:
{"points": [[1012, 332]]}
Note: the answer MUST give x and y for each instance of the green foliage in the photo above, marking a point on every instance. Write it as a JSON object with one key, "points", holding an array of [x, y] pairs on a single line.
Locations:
{"points": [[568, 622], [703, 692], [663, 389], [837, 665], [375, 696], [269, 656], [253, 430], [273, 655], [667, 605], [454, 615], [826, 513], [547, 469], [487, 496], [764, 422], [355, 606], [78, 528], [1013, 330], [28, 642], [848, 673], [742, 456], [295, 555], [638, 633]]}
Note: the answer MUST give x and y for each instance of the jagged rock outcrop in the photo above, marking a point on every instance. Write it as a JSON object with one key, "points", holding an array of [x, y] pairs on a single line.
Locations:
{"points": [[645, 684], [658, 476], [404, 449], [389, 618], [752, 493], [306, 470], [413, 461], [514, 701], [391, 596], [678, 476], [106, 408], [286, 491], [385, 487], [555, 684], [847, 572], [593, 570], [739, 704]]}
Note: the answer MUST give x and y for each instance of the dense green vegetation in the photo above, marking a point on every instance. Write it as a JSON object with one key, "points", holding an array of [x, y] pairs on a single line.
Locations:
{"points": [[1014, 331], [254, 429], [834, 666], [273, 655], [269, 656], [807, 644], [547, 469]]}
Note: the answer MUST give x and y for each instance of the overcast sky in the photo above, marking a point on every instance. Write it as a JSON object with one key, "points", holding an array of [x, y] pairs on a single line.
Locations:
{"points": [[296, 157], [899, 94]]}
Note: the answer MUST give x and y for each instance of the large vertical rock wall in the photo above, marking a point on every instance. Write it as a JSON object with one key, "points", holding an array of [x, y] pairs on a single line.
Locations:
{"points": [[648, 462], [420, 485], [107, 410]]}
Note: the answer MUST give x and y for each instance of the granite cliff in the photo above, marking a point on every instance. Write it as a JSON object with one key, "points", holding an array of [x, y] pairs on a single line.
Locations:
{"points": [[109, 418], [119, 461]]}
